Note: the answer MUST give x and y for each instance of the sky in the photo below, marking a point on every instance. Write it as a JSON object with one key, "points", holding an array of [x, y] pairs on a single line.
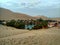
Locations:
{"points": [[49, 8]]}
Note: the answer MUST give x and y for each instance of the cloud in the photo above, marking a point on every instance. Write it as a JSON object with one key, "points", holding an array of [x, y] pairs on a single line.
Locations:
{"points": [[30, 3], [33, 7]]}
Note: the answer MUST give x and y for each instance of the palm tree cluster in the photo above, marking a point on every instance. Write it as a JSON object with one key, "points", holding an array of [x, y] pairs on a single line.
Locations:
{"points": [[17, 24], [38, 24]]}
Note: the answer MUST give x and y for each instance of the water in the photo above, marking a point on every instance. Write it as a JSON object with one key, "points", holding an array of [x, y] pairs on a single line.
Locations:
{"points": [[29, 26]]}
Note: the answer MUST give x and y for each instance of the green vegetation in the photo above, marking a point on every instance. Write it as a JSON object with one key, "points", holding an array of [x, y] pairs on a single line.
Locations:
{"points": [[17, 24], [40, 19], [42, 24], [39, 24], [11, 23]]}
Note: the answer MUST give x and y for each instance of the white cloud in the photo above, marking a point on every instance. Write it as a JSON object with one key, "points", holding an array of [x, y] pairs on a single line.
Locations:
{"points": [[30, 3], [31, 6]]}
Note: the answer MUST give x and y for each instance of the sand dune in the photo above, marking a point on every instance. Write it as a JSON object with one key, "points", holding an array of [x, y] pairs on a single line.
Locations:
{"points": [[14, 36], [43, 17], [6, 14], [8, 31], [58, 19], [46, 18]]}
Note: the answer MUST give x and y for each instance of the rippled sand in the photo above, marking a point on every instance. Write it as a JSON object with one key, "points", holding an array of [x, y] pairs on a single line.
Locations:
{"points": [[13, 36]]}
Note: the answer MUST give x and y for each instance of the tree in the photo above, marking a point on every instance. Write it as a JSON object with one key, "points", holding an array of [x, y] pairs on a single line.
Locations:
{"points": [[40, 19], [11, 23], [19, 24], [42, 24]]}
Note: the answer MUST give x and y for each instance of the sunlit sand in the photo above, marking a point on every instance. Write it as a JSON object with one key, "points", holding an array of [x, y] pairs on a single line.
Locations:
{"points": [[13, 36]]}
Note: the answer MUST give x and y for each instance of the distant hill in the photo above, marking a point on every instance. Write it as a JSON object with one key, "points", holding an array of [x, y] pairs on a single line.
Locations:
{"points": [[46, 18], [6, 14], [43, 17], [57, 18]]}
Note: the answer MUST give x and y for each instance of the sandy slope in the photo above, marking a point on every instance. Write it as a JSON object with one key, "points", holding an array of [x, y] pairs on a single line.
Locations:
{"points": [[6, 14], [8, 31], [35, 37], [46, 18]]}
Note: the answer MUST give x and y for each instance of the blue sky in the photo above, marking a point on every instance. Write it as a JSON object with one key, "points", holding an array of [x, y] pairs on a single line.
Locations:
{"points": [[49, 8]]}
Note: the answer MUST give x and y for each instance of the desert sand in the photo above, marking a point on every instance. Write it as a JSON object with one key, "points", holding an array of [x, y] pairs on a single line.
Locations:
{"points": [[6, 14], [13, 36]]}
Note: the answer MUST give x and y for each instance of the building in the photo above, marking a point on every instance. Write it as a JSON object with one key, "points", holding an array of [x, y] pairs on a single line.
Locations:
{"points": [[52, 24]]}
